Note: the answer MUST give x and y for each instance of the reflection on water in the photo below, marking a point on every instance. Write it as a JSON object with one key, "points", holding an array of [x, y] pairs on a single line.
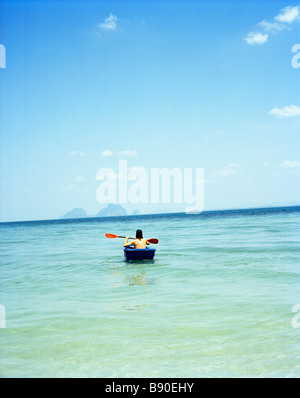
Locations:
{"points": [[129, 278], [139, 278], [133, 307], [139, 307], [136, 280]]}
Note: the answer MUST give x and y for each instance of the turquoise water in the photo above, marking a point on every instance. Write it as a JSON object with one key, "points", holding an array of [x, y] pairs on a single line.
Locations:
{"points": [[216, 301]]}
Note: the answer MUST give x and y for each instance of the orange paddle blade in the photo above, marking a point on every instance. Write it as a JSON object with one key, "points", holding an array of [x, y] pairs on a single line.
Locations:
{"points": [[155, 241], [111, 236]]}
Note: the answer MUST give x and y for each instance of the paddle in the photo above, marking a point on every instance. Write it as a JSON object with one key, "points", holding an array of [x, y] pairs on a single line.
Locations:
{"points": [[112, 236]]}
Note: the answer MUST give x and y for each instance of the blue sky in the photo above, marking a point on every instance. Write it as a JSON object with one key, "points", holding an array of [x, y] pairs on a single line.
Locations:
{"points": [[198, 84]]}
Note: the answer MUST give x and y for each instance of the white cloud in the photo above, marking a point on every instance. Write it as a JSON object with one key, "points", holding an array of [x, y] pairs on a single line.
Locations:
{"points": [[110, 23], [107, 152], [288, 14], [79, 178], [76, 153], [290, 164], [272, 27], [230, 170], [287, 111], [256, 38], [280, 22], [127, 153]]}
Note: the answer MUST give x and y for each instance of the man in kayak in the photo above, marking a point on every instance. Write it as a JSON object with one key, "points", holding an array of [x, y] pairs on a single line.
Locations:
{"points": [[139, 242]]}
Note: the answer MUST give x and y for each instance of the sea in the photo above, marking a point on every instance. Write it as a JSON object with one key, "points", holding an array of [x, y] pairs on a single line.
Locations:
{"points": [[220, 299]]}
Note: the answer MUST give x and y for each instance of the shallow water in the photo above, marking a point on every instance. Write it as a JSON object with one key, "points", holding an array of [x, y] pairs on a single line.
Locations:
{"points": [[216, 301]]}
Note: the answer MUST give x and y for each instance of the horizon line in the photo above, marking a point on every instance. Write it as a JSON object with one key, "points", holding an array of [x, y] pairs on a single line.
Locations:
{"points": [[149, 214]]}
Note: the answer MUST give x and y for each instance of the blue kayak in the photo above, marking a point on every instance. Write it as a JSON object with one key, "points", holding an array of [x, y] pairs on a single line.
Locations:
{"points": [[139, 254]]}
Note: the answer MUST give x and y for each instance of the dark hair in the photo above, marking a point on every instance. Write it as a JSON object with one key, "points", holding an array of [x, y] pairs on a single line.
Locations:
{"points": [[139, 234]]}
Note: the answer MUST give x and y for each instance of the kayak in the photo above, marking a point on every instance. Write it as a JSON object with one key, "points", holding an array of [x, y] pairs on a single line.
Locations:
{"points": [[139, 254]]}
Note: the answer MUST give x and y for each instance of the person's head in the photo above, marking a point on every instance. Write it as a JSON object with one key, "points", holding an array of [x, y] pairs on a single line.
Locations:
{"points": [[139, 234]]}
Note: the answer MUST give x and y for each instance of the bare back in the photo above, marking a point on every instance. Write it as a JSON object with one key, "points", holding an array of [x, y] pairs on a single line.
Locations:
{"points": [[138, 243]]}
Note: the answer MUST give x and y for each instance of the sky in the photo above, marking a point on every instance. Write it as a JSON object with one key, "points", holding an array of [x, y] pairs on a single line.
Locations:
{"points": [[212, 85]]}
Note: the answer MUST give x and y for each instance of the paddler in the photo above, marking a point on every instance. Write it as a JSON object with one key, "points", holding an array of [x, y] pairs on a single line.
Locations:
{"points": [[139, 242]]}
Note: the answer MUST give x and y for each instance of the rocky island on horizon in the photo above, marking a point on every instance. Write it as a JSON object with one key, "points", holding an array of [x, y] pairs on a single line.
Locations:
{"points": [[111, 210]]}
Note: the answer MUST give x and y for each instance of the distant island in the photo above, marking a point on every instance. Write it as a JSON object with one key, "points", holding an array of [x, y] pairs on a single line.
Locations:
{"points": [[111, 210], [75, 213]]}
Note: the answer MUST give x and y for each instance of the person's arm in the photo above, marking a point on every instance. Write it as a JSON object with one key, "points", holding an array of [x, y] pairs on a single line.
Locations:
{"points": [[126, 244]]}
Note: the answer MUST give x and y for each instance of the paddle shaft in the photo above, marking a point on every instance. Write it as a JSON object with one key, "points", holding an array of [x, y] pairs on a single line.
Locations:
{"points": [[111, 236]]}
